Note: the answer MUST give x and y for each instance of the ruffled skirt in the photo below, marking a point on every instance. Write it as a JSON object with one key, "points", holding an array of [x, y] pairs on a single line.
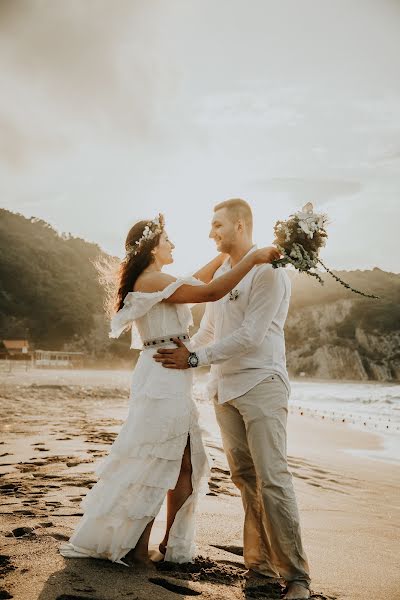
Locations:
{"points": [[143, 464]]}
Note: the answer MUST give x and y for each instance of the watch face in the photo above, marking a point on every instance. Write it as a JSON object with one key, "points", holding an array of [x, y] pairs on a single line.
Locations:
{"points": [[193, 360]]}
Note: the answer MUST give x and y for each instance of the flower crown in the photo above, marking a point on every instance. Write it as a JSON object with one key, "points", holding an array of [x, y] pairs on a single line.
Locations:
{"points": [[150, 231]]}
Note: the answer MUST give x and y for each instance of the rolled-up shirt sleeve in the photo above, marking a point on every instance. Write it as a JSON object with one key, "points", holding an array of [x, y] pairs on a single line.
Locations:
{"points": [[265, 298], [205, 333]]}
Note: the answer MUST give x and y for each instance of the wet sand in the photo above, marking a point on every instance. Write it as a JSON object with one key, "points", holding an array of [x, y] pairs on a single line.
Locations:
{"points": [[57, 424]]}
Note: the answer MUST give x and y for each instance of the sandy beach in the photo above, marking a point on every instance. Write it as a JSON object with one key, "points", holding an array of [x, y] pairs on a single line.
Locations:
{"points": [[57, 424]]}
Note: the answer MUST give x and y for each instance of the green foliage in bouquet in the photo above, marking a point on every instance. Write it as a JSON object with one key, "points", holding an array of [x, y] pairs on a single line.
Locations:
{"points": [[300, 239]]}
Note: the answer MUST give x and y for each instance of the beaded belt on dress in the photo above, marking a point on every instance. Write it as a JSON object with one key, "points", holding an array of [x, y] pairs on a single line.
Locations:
{"points": [[165, 339]]}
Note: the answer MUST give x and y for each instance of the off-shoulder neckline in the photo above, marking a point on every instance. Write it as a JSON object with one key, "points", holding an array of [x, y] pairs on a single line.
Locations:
{"points": [[177, 280]]}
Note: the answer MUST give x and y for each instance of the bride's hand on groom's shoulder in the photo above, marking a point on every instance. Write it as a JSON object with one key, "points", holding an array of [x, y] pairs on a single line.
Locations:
{"points": [[265, 255]]}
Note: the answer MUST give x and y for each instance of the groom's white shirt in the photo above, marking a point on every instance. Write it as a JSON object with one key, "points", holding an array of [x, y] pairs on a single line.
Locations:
{"points": [[243, 339]]}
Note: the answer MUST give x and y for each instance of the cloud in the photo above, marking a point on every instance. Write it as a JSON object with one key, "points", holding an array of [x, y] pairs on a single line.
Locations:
{"points": [[318, 191], [123, 109], [390, 157], [19, 148], [246, 107], [88, 61]]}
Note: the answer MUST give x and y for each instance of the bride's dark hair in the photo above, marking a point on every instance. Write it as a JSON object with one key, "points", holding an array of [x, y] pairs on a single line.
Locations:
{"points": [[118, 277], [134, 264]]}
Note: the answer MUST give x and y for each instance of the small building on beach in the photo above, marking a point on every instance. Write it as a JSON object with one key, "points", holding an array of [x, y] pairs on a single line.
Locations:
{"points": [[14, 347], [57, 358]]}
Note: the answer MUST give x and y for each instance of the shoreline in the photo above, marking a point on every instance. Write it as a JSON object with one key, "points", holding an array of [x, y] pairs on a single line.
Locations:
{"points": [[385, 449], [19, 367]]}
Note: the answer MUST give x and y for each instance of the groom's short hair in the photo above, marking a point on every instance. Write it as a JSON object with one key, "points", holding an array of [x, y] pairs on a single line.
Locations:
{"points": [[237, 209]]}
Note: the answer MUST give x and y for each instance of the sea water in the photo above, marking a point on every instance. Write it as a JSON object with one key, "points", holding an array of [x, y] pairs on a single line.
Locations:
{"points": [[366, 406]]}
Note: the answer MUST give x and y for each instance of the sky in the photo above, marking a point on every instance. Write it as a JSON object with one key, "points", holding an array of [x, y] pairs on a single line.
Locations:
{"points": [[111, 112]]}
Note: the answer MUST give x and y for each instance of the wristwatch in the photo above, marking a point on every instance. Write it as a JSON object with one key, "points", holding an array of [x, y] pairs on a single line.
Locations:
{"points": [[193, 359]]}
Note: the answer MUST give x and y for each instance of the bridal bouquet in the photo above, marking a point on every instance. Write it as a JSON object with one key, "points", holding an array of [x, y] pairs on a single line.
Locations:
{"points": [[300, 239]]}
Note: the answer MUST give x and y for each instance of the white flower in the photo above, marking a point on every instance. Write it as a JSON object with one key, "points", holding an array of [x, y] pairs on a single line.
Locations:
{"points": [[305, 227], [309, 221], [308, 208]]}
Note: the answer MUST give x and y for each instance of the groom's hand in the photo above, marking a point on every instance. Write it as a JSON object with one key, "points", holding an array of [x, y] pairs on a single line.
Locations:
{"points": [[173, 358]]}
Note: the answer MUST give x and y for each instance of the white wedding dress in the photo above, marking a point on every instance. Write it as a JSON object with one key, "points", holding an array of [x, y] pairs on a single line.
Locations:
{"points": [[144, 461]]}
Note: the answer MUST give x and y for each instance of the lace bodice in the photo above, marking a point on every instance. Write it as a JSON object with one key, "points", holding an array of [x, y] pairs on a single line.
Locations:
{"points": [[149, 317]]}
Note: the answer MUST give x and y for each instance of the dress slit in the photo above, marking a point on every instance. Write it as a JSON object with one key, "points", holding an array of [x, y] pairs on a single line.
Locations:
{"points": [[184, 518]]}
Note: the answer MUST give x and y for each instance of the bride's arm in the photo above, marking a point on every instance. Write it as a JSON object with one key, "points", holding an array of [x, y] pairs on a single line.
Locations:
{"points": [[209, 292], [206, 273]]}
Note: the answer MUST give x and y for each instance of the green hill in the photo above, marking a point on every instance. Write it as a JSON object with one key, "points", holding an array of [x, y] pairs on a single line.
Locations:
{"points": [[49, 289]]}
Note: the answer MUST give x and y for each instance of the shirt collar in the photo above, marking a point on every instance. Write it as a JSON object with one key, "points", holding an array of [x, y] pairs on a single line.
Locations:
{"points": [[227, 264]]}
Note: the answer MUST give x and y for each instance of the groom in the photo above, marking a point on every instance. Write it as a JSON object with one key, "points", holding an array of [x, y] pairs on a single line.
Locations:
{"points": [[241, 336]]}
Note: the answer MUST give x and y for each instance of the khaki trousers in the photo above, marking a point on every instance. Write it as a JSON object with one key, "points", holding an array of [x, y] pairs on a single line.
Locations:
{"points": [[253, 428]]}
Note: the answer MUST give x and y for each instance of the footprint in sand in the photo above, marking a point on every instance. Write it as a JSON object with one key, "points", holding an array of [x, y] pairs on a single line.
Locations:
{"points": [[173, 587], [205, 569], [20, 532], [238, 550], [84, 483], [72, 597], [8, 488], [60, 536], [26, 467], [73, 514], [318, 477], [5, 565], [78, 461], [232, 563], [27, 513]]}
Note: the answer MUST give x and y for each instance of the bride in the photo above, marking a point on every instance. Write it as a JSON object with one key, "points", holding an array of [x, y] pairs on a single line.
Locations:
{"points": [[159, 451]]}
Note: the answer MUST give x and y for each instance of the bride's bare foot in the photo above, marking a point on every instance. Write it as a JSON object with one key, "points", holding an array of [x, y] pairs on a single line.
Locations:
{"points": [[139, 560], [156, 556]]}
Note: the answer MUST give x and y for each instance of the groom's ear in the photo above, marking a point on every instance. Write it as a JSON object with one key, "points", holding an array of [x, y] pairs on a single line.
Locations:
{"points": [[240, 225]]}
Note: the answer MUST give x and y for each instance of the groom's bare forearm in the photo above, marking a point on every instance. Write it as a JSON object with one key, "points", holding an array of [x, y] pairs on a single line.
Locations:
{"points": [[206, 273]]}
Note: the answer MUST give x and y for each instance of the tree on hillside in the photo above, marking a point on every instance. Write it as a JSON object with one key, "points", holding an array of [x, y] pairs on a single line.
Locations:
{"points": [[49, 286]]}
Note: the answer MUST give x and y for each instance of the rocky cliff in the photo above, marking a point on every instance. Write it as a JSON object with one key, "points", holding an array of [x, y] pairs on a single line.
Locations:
{"points": [[332, 333], [316, 348]]}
